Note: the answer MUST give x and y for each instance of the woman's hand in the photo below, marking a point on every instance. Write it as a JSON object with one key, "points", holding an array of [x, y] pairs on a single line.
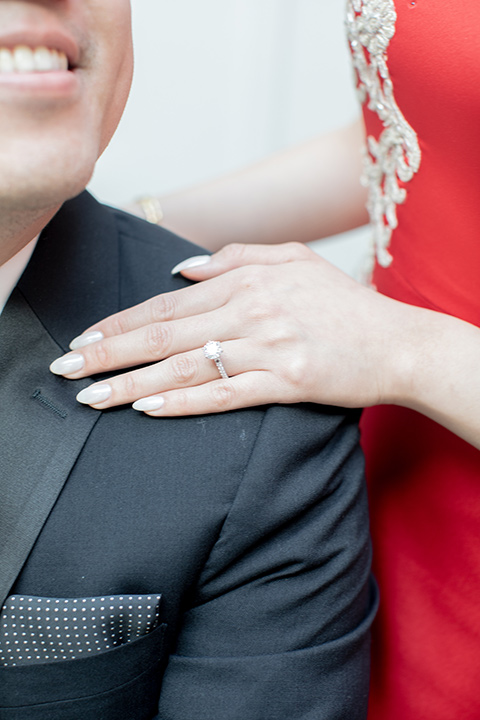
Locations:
{"points": [[293, 329]]}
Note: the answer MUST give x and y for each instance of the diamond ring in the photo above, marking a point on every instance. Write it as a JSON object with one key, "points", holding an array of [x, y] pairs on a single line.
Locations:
{"points": [[212, 351]]}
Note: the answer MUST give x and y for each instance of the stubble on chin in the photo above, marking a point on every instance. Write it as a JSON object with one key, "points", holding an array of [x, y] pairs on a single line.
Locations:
{"points": [[32, 191], [36, 181]]}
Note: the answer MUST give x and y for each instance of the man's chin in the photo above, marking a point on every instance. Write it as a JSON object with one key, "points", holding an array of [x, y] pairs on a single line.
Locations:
{"points": [[42, 195]]}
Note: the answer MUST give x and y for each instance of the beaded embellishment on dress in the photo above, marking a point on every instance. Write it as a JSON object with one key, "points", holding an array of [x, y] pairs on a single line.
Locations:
{"points": [[395, 157]]}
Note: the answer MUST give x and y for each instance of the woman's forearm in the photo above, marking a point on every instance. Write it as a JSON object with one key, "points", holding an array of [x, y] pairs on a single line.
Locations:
{"points": [[305, 193]]}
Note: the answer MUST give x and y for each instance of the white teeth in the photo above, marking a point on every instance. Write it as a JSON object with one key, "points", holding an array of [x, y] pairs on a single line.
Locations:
{"points": [[23, 59], [6, 61], [43, 59]]}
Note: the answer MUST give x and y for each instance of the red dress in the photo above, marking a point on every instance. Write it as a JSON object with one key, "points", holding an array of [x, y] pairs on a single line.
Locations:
{"points": [[424, 482]]}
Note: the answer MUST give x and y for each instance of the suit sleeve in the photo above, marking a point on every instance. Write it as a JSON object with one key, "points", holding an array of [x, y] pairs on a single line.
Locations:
{"points": [[278, 628]]}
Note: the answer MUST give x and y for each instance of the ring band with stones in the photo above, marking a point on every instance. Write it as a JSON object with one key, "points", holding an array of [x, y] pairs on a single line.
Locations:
{"points": [[212, 351]]}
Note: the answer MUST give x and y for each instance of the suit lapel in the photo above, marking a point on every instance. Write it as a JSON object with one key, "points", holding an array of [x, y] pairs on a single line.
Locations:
{"points": [[70, 282], [72, 279]]}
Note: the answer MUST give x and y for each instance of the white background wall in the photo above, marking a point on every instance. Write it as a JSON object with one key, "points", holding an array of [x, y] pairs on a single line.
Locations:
{"points": [[221, 83]]}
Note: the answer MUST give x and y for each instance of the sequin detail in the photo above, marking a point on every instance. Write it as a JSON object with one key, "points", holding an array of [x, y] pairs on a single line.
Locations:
{"points": [[395, 157], [36, 630]]}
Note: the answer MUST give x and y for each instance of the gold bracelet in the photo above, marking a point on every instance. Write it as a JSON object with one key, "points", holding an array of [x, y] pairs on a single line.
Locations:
{"points": [[151, 209]]}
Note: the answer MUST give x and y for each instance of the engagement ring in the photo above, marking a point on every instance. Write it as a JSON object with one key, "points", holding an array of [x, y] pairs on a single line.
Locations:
{"points": [[212, 351]]}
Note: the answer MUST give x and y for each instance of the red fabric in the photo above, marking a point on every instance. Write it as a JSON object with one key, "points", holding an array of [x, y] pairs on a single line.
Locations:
{"points": [[424, 482]]}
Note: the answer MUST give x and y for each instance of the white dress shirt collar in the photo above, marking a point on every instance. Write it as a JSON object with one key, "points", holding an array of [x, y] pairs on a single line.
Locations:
{"points": [[11, 271]]}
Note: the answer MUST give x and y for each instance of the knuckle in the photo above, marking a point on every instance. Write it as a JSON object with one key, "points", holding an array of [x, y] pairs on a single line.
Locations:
{"points": [[278, 337], [157, 340], [295, 372], [118, 325], [298, 251], [130, 386], [261, 308], [253, 278], [223, 395], [162, 308], [283, 334], [258, 313], [182, 402], [102, 356], [235, 252], [184, 369]]}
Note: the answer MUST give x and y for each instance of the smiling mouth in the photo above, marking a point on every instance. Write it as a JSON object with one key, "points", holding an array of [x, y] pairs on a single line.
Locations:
{"points": [[24, 59]]}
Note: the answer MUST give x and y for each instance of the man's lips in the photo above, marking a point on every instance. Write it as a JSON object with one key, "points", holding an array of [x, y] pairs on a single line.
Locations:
{"points": [[38, 70]]}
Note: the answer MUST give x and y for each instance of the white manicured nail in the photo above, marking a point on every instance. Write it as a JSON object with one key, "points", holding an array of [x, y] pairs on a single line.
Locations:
{"points": [[94, 394], [86, 339], [149, 403], [192, 262], [67, 364]]}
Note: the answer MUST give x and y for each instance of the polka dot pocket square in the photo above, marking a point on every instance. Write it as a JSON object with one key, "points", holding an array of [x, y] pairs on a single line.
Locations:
{"points": [[36, 630]]}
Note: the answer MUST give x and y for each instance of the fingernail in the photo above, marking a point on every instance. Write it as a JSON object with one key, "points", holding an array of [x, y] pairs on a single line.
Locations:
{"points": [[67, 364], [94, 394], [149, 403], [86, 339], [192, 262]]}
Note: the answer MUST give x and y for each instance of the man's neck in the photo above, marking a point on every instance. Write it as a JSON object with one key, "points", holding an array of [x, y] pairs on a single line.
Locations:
{"points": [[17, 230]]}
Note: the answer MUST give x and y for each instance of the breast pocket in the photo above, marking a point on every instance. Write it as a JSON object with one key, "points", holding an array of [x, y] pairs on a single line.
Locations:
{"points": [[119, 683]]}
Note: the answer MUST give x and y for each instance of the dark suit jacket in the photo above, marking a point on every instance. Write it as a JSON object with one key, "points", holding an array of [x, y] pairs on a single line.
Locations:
{"points": [[251, 525]]}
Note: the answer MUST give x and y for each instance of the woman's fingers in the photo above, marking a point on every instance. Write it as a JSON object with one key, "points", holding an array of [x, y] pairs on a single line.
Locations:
{"points": [[185, 319], [148, 344], [186, 302], [234, 256], [245, 390], [292, 332], [258, 387], [197, 299], [179, 372]]}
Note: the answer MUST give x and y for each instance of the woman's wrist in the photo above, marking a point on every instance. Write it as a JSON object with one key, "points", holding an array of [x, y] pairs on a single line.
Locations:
{"points": [[406, 358], [435, 370]]}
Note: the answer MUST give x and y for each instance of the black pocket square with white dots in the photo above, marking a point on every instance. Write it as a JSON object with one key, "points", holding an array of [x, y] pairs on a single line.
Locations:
{"points": [[35, 630]]}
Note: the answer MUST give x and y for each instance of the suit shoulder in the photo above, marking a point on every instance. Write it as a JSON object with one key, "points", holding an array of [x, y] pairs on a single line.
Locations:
{"points": [[153, 238], [147, 253]]}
